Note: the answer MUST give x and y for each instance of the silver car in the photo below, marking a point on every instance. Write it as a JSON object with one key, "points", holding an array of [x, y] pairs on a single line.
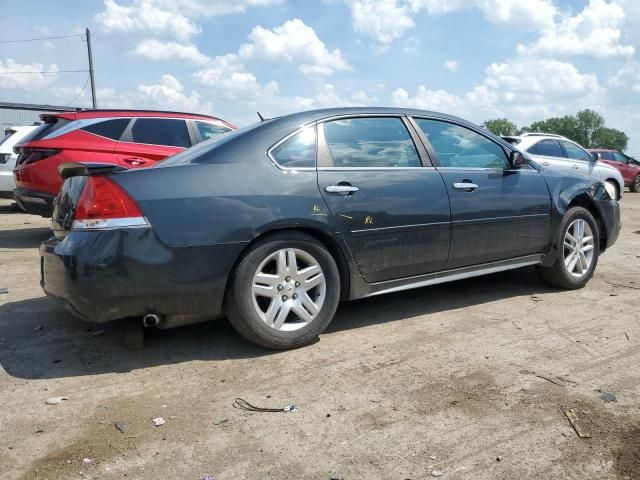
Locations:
{"points": [[548, 149], [13, 136]]}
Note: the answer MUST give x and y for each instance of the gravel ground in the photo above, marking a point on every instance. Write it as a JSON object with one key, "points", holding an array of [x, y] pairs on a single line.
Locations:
{"points": [[465, 380]]}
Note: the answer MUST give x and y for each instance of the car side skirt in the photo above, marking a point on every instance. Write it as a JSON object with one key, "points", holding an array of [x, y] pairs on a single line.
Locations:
{"points": [[451, 275]]}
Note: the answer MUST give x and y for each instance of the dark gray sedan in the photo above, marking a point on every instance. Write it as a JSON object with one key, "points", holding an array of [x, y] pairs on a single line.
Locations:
{"points": [[272, 225]]}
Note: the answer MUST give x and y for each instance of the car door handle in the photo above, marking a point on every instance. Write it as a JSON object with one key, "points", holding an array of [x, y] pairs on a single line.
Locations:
{"points": [[575, 167], [465, 186], [341, 189], [545, 163], [135, 161]]}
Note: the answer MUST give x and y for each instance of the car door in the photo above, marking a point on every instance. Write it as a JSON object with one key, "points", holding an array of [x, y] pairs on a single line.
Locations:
{"points": [[581, 160], [391, 210], [549, 152], [149, 140], [497, 213], [621, 162]]}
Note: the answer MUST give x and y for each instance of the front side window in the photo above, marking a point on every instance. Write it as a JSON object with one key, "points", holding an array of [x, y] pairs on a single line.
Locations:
{"points": [[161, 131], [370, 142], [298, 151], [210, 130], [548, 148], [113, 128], [457, 146], [575, 152], [619, 157]]}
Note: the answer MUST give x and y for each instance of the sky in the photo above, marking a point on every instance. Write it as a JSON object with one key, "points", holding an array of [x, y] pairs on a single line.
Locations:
{"points": [[525, 60]]}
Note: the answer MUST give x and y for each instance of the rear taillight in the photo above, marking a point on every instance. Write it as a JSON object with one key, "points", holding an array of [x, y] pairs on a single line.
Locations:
{"points": [[103, 204], [29, 155]]}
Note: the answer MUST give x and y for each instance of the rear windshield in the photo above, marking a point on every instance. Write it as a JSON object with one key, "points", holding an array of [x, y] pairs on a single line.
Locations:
{"points": [[47, 128], [191, 155]]}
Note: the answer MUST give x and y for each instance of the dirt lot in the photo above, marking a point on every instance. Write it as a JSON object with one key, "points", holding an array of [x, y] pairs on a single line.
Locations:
{"points": [[467, 380]]}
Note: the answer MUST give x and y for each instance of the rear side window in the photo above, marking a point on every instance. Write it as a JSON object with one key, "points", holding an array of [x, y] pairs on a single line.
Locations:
{"points": [[619, 157], [210, 130], [161, 131], [461, 147], [371, 142], [548, 148], [575, 152], [112, 129], [47, 128], [298, 151]]}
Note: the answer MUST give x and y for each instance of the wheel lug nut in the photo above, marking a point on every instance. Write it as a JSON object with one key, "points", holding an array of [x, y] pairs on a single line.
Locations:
{"points": [[297, 284], [288, 279], [280, 287], [285, 298], [295, 295]]}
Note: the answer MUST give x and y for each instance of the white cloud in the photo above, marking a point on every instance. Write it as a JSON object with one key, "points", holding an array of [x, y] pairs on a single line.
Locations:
{"points": [[388, 20], [294, 42], [12, 75], [385, 20], [145, 16], [168, 94], [158, 50], [210, 8], [524, 90], [327, 96], [451, 65], [596, 31]]}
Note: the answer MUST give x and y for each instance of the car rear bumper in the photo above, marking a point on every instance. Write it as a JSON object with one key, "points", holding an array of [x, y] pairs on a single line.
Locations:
{"points": [[34, 202], [610, 214], [107, 275]]}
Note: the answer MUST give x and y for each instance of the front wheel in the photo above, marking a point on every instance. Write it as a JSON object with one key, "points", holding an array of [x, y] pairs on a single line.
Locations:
{"points": [[579, 245], [635, 186], [284, 292]]}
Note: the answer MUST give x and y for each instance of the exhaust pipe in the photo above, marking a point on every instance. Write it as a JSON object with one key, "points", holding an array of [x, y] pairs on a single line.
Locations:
{"points": [[150, 320]]}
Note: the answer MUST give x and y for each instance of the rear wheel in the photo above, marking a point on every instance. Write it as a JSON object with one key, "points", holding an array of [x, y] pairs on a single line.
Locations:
{"points": [[635, 186], [284, 292], [579, 245]]}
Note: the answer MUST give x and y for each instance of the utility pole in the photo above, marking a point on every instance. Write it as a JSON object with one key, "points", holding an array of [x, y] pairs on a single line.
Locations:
{"points": [[93, 81]]}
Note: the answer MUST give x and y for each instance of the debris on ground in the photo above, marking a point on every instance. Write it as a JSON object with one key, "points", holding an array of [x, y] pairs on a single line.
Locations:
{"points": [[122, 426], [207, 477], [608, 397], [625, 334], [4, 290], [38, 328], [244, 405], [535, 298], [99, 332], [55, 400], [158, 422], [87, 461], [573, 420], [220, 422], [437, 473]]}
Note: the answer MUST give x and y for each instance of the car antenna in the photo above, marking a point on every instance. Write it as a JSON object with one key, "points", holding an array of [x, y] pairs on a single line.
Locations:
{"points": [[260, 116]]}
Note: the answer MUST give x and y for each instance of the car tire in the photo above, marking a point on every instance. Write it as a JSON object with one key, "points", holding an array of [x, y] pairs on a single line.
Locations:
{"points": [[564, 273], [635, 185], [281, 304]]}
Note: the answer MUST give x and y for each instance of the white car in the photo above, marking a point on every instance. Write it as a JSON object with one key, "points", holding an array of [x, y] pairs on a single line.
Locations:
{"points": [[13, 136], [548, 149]]}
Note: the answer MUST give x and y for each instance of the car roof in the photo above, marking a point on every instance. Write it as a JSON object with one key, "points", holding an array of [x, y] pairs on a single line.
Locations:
{"points": [[600, 150], [107, 113]]}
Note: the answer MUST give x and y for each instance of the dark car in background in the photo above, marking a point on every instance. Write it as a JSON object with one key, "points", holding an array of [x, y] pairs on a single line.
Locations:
{"points": [[128, 138], [272, 225], [628, 167]]}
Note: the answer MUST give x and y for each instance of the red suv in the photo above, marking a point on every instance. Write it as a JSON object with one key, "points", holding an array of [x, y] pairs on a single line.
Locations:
{"points": [[129, 138], [629, 167]]}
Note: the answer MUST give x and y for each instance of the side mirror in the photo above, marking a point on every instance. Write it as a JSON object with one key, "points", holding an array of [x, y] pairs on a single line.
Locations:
{"points": [[595, 157], [517, 159]]}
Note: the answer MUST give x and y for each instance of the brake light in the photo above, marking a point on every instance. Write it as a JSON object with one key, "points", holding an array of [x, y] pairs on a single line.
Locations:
{"points": [[103, 204]]}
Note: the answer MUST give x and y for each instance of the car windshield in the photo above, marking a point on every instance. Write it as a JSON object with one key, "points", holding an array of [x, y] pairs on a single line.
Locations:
{"points": [[190, 154]]}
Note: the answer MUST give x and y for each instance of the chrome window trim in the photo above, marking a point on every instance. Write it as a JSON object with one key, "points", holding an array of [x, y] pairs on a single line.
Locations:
{"points": [[342, 169]]}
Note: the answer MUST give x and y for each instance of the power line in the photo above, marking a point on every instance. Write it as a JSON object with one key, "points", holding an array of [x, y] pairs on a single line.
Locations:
{"points": [[41, 38], [47, 71], [80, 92]]}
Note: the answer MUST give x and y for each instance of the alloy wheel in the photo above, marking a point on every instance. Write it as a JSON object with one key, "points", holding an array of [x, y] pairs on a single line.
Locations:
{"points": [[578, 248], [288, 289]]}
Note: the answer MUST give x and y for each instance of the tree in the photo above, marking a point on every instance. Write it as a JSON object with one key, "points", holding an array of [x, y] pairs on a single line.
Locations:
{"points": [[501, 126], [566, 126], [609, 138], [587, 122]]}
